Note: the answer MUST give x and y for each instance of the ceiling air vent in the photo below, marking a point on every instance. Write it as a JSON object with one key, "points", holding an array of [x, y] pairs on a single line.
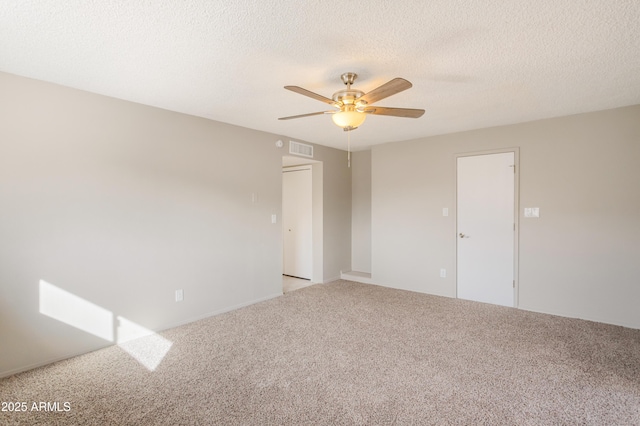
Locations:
{"points": [[302, 149]]}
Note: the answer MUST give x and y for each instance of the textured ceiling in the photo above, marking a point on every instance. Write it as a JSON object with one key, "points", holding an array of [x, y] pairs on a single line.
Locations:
{"points": [[473, 64]]}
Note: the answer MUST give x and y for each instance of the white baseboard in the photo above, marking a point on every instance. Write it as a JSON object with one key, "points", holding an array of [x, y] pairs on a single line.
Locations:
{"points": [[360, 277], [11, 372], [18, 370], [220, 311], [582, 317]]}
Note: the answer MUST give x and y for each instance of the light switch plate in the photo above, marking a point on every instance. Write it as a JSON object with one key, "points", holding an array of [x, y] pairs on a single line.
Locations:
{"points": [[532, 212], [445, 211]]}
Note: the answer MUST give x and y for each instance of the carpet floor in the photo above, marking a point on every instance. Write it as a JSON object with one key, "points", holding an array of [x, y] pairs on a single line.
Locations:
{"points": [[346, 353]]}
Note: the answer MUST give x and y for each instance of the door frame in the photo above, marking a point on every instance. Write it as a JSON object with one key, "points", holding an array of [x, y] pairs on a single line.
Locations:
{"points": [[317, 213], [292, 169], [516, 216]]}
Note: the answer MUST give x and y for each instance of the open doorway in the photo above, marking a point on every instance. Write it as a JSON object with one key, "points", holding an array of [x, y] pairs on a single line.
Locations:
{"points": [[301, 222], [296, 221]]}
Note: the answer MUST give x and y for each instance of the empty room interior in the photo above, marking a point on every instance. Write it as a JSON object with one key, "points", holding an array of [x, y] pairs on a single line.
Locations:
{"points": [[329, 212]]}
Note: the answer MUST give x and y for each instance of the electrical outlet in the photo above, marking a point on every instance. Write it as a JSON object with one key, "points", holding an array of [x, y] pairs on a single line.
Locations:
{"points": [[179, 295], [443, 273]]}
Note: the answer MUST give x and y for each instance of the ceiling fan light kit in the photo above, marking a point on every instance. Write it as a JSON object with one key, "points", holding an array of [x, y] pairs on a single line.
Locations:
{"points": [[354, 105], [349, 119]]}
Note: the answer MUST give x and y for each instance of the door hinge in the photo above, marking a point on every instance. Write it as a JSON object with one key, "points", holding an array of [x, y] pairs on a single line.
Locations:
{"points": [[514, 283]]}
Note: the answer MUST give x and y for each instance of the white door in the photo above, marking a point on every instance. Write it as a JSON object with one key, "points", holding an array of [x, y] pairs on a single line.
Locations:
{"points": [[486, 228], [296, 222]]}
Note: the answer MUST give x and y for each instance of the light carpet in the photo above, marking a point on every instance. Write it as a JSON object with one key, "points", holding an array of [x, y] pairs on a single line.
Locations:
{"points": [[347, 353]]}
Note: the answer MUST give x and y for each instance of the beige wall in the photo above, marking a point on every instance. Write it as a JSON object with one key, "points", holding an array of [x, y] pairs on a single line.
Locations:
{"points": [[331, 216], [336, 208], [361, 211], [119, 205], [579, 259]]}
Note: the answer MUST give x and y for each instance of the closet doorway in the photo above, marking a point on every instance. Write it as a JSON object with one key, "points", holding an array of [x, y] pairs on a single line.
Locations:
{"points": [[296, 221]]}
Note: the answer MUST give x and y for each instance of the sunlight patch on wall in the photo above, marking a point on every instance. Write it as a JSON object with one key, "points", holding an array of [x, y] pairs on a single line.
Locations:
{"points": [[145, 346], [75, 311]]}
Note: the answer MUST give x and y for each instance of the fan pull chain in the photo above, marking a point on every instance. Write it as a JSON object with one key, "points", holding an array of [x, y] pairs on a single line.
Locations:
{"points": [[349, 149]]}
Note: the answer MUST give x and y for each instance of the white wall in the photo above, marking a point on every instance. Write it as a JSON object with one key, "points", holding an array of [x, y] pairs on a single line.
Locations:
{"points": [[579, 259], [119, 205], [361, 211]]}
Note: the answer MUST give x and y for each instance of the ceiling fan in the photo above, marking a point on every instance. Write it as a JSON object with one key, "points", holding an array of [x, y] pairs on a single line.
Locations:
{"points": [[353, 106]]}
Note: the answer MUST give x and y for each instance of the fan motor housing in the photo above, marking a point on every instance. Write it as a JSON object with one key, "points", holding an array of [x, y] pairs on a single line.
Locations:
{"points": [[347, 96]]}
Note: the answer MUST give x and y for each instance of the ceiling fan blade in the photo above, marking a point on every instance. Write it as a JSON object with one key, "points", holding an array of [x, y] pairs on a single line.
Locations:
{"points": [[306, 115], [392, 87], [310, 94], [396, 112]]}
